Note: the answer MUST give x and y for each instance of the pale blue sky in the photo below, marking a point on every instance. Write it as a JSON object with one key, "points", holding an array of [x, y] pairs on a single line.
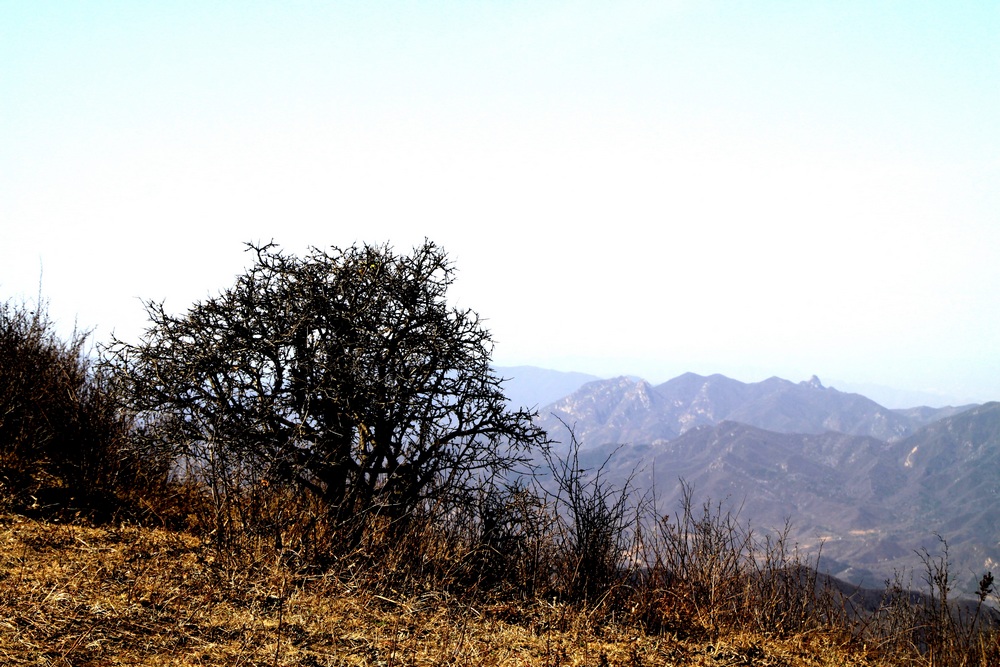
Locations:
{"points": [[750, 188]]}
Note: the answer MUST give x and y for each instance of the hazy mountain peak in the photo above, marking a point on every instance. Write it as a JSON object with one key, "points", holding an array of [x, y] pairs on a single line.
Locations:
{"points": [[813, 383], [624, 409]]}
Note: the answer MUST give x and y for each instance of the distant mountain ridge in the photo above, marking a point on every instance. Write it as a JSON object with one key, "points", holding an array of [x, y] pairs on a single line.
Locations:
{"points": [[874, 505], [874, 486], [624, 410]]}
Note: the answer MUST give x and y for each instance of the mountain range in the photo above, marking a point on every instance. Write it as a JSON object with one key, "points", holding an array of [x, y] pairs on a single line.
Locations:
{"points": [[871, 489]]}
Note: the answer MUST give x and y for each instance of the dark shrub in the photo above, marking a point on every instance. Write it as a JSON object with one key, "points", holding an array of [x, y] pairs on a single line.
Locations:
{"points": [[63, 442]]}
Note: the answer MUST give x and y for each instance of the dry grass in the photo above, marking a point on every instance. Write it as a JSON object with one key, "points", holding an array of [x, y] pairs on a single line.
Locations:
{"points": [[77, 595]]}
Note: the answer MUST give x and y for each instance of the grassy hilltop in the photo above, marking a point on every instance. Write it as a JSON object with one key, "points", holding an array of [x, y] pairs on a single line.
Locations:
{"points": [[129, 595]]}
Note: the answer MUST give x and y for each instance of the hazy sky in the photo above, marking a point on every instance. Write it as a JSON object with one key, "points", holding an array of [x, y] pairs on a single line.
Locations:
{"points": [[749, 188]]}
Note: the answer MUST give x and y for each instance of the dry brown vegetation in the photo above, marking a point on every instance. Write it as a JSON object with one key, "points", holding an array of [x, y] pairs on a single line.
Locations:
{"points": [[696, 588], [127, 595]]}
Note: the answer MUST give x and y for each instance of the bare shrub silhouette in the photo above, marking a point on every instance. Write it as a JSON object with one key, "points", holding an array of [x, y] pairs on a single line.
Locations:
{"points": [[708, 572], [342, 376], [929, 625], [64, 441], [594, 527]]}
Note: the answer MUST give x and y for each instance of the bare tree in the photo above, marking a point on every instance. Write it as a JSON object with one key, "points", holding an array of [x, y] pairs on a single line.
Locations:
{"points": [[343, 373]]}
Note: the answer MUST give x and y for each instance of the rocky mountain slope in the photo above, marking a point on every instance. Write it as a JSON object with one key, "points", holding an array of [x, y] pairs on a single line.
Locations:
{"points": [[628, 410], [875, 487]]}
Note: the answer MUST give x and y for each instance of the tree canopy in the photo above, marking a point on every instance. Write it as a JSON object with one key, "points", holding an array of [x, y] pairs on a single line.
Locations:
{"points": [[343, 373]]}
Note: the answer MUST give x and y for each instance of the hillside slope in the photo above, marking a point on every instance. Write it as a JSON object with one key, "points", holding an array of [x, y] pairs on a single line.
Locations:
{"points": [[872, 506], [75, 595]]}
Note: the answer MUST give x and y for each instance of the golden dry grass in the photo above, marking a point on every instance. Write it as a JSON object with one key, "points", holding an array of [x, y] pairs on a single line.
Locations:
{"points": [[125, 595]]}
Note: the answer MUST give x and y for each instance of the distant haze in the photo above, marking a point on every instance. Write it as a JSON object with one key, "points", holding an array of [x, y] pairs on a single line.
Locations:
{"points": [[534, 387], [892, 397]]}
